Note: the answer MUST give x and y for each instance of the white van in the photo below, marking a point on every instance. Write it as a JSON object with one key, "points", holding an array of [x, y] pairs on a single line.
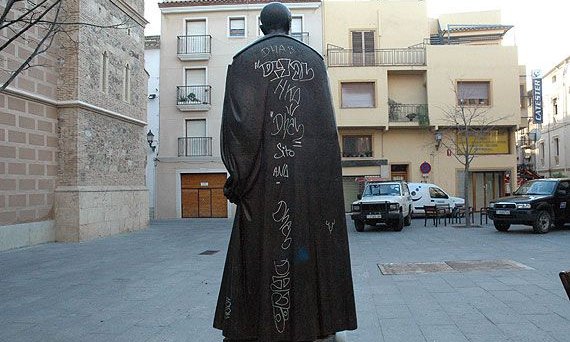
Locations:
{"points": [[430, 194]]}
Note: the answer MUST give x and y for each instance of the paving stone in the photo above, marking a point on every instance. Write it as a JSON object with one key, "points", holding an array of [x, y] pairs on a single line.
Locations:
{"points": [[154, 285]]}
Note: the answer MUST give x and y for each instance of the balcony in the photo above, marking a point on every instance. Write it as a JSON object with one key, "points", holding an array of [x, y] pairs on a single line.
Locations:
{"points": [[194, 48], [194, 98], [405, 113], [194, 146], [302, 36], [339, 57]]}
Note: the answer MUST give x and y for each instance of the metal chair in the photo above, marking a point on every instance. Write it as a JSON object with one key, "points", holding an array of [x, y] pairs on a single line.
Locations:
{"points": [[460, 212], [432, 211]]}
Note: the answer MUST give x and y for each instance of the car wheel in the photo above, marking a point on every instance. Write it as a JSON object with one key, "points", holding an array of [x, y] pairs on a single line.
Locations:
{"points": [[542, 222], [408, 219], [359, 225], [501, 226], [399, 224]]}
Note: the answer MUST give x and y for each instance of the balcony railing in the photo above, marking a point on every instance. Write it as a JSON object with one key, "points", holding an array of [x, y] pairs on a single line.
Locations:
{"points": [[302, 36], [193, 95], [194, 146], [408, 113], [194, 47], [382, 57]]}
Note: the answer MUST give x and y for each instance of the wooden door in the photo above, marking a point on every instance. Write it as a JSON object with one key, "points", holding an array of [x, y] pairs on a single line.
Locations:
{"points": [[203, 195]]}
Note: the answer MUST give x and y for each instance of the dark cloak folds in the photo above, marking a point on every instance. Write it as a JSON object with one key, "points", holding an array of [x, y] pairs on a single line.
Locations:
{"points": [[287, 275]]}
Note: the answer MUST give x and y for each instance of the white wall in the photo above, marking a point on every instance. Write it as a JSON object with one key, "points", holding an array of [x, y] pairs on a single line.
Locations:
{"points": [[152, 66]]}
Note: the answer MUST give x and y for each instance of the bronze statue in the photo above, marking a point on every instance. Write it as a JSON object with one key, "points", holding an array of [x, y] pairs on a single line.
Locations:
{"points": [[287, 275]]}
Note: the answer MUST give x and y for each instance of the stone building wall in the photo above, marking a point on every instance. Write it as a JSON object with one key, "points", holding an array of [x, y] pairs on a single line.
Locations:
{"points": [[28, 146], [72, 157], [101, 185]]}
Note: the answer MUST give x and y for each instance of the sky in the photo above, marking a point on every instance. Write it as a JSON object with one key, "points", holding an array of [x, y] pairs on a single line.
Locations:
{"points": [[541, 28]]}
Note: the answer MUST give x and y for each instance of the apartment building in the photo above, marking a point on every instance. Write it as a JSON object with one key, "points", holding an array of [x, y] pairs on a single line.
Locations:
{"points": [[72, 128], [396, 75], [553, 154], [198, 41]]}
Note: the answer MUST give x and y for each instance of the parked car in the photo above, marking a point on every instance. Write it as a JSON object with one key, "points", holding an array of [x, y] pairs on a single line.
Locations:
{"points": [[430, 194], [386, 202], [539, 203]]}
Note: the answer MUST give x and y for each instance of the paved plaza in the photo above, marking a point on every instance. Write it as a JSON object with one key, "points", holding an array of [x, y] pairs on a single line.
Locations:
{"points": [[158, 285]]}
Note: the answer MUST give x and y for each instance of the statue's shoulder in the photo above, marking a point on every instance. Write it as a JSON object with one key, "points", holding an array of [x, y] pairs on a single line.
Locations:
{"points": [[267, 40]]}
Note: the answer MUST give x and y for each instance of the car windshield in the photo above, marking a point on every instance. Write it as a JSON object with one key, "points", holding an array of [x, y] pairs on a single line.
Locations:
{"points": [[382, 190], [536, 188]]}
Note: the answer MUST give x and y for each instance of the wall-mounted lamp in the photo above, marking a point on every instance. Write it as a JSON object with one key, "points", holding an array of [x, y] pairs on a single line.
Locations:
{"points": [[438, 137], [151, 96], [150, 140]]}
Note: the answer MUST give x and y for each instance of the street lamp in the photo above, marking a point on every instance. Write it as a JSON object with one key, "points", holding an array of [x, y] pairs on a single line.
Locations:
{"points": [[150, 140], [438, 137]]}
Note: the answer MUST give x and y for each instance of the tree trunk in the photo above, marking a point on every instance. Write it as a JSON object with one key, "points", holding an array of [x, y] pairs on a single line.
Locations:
{"points": [[466, 180]]}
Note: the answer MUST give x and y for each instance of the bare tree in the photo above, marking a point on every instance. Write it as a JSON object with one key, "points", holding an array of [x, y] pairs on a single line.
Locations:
{"points": [[37, 24], [466, 132]]}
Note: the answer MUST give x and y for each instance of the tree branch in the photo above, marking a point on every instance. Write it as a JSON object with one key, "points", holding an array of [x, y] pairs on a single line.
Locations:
{"points": [[38, 50]]}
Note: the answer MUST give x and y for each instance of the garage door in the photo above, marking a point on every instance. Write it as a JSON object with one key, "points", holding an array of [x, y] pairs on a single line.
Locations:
{"points": [[203, 195], [350, 188]]}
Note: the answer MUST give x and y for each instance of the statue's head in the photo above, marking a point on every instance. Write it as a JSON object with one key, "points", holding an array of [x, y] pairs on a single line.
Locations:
{"points": [[275, 18]]}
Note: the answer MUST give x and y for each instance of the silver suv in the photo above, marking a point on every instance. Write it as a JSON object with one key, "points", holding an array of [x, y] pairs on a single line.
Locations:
{"points": [[387, 202]]}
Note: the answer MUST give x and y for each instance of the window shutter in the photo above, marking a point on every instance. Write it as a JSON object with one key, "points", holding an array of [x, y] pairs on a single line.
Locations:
{"points": [[368, 41], [357, 42], [358, 95]]}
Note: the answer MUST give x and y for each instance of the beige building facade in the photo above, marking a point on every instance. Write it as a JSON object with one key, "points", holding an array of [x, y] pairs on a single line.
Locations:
{"points": [[395, 77], [72, 131], [198, 42]]}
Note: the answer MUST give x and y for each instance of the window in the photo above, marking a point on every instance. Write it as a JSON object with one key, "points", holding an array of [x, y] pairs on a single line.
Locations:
{"points": [[555, 106], [105, 72], [358, 95], [196, 143], [556, 147], [196, 128], [297, 27], [127, 84], [437, 193], [237, 27], [473, 93], [523, 97], [357, 146], [541, 152], [363, 48], [554, 79]]}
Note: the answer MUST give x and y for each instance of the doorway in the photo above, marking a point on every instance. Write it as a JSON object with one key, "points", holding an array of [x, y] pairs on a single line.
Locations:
{"points": [[196, 36], [399, 172], [203, 195], [485, 187]]}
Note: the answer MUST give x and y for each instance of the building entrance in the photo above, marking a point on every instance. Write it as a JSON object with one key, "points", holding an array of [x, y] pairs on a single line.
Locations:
{"points": [[203, 195], [486, 186]]}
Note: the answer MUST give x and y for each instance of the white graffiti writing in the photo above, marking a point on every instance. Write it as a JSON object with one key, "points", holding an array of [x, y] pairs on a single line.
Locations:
{"points": [[285, 68], [287, 126], [288, 92], [280, 291], [277, 50], [330, 225], [281, 216], [281, 171], [283, 151]]}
